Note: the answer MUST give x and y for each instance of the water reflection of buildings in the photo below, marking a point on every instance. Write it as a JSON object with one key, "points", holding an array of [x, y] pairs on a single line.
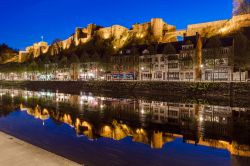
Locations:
{"points": [[149, 122], [168, 112]]}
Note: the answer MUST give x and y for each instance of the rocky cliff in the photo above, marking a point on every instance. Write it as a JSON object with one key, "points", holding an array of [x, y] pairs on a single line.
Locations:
{"points": [[154, 31], [7, 54]]}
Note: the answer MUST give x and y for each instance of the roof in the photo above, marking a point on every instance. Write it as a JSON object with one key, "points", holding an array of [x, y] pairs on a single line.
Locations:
{"points": [[225, 42], [160, 47]]}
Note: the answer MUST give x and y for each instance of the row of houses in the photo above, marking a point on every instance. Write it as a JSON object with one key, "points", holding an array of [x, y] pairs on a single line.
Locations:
{"points": [[82, 71], [193, 59]]}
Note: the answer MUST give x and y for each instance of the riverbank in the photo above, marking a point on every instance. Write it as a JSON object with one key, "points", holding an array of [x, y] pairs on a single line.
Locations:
{"points": [[15, 152], [220, 92], [161, 88]]}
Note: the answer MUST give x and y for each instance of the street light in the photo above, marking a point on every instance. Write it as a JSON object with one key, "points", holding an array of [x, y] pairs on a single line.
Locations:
{"points": [[201, 66], [142, 68]]}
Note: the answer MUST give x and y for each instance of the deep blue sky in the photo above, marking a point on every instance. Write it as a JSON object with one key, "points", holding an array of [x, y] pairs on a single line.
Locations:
{"points": [[23, 22]]}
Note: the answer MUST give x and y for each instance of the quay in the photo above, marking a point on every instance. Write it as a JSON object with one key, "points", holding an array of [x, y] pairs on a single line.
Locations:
{"points": [[15, 152]]}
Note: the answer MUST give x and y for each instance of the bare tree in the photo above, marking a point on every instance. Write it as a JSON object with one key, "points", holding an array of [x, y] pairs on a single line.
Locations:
{"points": [[241, 52]]}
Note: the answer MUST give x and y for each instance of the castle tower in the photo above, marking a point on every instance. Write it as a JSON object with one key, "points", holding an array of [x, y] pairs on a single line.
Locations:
{"points": [[157, 27], [78, 36], [91, 29]]}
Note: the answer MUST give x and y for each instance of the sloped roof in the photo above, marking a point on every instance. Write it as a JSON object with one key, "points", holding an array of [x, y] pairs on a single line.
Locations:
{"points": [[225, 42]]}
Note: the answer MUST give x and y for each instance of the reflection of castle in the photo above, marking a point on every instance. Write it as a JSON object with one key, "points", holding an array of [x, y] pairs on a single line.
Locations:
{"points": [[149, 122]]}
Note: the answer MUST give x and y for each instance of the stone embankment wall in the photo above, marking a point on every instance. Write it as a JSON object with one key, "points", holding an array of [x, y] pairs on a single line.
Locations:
{"points": [[233, 94], [161, 88]]}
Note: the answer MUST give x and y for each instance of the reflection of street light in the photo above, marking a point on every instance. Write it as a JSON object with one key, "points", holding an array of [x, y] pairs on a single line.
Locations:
{"points": [[201, 119]]}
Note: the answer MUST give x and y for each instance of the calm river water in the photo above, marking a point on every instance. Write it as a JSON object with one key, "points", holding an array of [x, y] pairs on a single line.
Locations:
{"points": [[105, 131]]}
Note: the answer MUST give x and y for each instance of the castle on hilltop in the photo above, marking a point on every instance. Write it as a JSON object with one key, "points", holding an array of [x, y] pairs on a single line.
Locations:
{"points": [[156, 29]]}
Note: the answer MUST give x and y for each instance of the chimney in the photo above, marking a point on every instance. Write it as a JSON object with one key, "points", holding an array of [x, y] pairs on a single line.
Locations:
{"points": [[197, 36], [184, 36]]}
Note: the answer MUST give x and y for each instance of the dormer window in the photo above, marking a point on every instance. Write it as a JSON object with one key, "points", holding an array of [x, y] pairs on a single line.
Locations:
{"points": [[187, 47], [145, 51], [128, 51]]}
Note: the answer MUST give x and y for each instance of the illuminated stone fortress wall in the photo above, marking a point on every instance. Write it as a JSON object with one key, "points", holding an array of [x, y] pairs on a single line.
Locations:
{"points": [[156, 29]]}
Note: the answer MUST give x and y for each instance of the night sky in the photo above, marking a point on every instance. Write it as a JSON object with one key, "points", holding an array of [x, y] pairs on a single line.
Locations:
{"points": [[23, 22]]}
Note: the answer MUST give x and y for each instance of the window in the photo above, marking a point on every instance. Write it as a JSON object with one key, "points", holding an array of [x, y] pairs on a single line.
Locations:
{"points": [[173, 75], [128, 51], [172, 113], [150, 59], [188, 64], [158, 75], [145, 52], [189, 75], [173, 65]]}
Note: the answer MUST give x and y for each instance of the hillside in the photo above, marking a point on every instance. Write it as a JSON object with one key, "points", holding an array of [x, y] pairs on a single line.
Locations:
{"points": [[7, 54]]}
